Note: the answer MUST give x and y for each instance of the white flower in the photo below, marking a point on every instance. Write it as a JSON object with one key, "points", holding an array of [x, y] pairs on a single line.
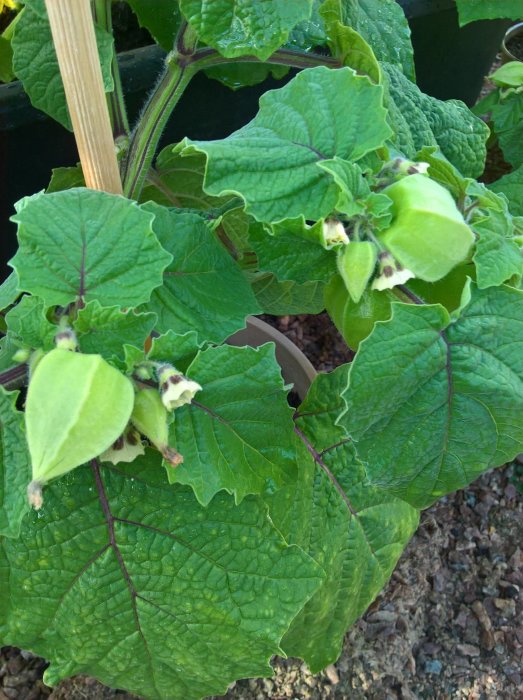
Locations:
{"points": [[175, 389], [391, 273], [126, 449], [334, 234]]}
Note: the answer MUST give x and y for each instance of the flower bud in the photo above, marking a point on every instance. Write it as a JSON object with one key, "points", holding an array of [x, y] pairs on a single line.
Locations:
{"points": [[176, 390], [66, 339], [150, 417], [22, 355]]}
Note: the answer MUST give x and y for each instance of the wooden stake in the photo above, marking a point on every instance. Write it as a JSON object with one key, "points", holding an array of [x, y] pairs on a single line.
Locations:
{"points": [[75, 43]]}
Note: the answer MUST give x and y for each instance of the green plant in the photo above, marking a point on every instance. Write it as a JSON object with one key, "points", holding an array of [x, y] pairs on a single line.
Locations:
{"points": [[171, 578]]}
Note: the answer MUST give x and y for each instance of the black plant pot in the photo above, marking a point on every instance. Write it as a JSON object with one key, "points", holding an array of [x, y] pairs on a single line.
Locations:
{"points": [[450, 62]]}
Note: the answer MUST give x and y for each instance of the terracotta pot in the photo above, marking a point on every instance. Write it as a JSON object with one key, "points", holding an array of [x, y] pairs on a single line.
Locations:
{"points": [[516, 30], [295, 367]]}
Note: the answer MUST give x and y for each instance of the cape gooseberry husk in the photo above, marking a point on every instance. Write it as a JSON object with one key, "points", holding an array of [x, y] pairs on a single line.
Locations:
{"points": [[428, 234], [150, 417], [76, 408]]}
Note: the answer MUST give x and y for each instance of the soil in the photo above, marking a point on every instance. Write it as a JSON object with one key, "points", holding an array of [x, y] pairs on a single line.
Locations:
{"points": [[515, 47]]}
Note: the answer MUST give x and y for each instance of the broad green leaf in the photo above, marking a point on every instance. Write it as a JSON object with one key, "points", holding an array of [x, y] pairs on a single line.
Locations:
{"points": [[84, 244], [15, 467], [161, 18], [355, 321], [148, 591], [28, 322], [287, 297], [177, 350], [310, 33], [511, 186], [65, 179], [237, 28], [352, 185], [419, 121], [196, 291], [507, 117], [447, 291], [381, 23], [178, 182], [508, 75], [105, 330], [36, 65], [290, 256], [412, 406], [473, 10], [9, 291], [237, 434], [498, 256], [354, 530], [272, 161]]}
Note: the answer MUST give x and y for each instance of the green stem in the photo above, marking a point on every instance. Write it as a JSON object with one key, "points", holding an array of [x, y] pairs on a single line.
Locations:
{"points": [[144, 140], [115, 99], [206, 58]]}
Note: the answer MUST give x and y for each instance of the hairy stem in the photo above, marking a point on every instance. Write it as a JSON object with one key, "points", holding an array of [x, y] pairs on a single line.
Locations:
{"points": [[14, 377], [115, 99]]}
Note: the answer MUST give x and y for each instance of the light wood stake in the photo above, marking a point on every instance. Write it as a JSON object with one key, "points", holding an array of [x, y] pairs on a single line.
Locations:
{"points": [[75, 43]]}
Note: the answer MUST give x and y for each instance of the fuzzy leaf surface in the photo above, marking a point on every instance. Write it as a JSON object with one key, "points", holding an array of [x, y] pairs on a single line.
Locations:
{"points": [[419, 121], [412, 408], [15, 466], [238, 28], [511, 186], [237, 434], [354, 530], [105, 330], [272, 162], [36, 65], [145, 589], [84, 244], [196, 291], [381, 23]]}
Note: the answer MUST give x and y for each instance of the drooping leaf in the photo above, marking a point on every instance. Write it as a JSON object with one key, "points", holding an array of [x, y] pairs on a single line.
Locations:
{"points": [[354, 530], [196, 291], [287, 297], [355, 321], [84, 244], [411, 408], [419, 121], [507, 117], [66, 179], [105, 330], [29, 324], [36, 65], [473, 10], [143, 589], [236, 28], [238, 75], [161, 18], [237, 434], [511, 186], [381, 23], [272, 161], [15, 466]]}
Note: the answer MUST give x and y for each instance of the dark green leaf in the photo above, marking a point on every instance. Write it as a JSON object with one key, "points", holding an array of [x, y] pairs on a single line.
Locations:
{"points": [[472, 10], [203, 289], [28, 323], [9, 291], [511, 186], [84, 244], [412, 407], [145, 589], [161, 18], [282, 298], [507, 116], [237, 434]]}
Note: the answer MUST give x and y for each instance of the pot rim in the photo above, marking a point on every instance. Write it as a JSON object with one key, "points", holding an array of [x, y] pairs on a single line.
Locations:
{"points": [[296, 367], [515, 30]]}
